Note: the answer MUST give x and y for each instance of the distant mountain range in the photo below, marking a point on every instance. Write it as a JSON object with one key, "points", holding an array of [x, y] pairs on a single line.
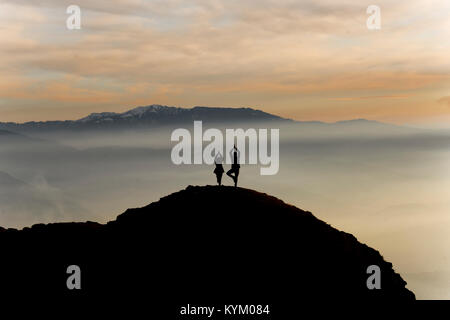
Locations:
{"points": [[158, 115], [153, 115]]}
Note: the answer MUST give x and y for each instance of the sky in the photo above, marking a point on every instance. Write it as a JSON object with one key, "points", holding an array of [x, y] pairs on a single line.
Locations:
{"points": [[302, 59]]}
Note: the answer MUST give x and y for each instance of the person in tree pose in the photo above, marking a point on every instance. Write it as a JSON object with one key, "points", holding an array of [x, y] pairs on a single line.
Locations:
{"points": [[234, 166]]}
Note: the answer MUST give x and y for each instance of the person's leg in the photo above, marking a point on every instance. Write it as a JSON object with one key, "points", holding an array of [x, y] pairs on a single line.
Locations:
{"points": [[219, 179], [229, 173], [236, 175]]}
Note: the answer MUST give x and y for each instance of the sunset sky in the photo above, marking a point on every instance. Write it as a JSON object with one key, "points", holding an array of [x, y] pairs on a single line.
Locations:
{"points": [[302, 59]]}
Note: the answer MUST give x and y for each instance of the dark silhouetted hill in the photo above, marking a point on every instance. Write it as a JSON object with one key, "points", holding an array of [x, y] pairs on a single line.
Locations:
{"points": [[201, 244]]}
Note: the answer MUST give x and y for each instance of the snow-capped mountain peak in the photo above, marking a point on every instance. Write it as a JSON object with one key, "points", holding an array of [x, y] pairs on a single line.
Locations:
{"points": [[149, 116], [140, 111], [95, 117]]}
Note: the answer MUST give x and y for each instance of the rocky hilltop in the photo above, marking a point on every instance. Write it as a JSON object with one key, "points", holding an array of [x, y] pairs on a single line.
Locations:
{"points": [[200, 243]]}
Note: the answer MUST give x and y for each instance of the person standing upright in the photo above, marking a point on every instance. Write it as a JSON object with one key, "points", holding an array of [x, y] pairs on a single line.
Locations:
{"points": [[218, 171]]}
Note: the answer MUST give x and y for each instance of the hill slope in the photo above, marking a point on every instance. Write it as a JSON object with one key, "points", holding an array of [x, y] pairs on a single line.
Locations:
{"points": [[202, 243]]}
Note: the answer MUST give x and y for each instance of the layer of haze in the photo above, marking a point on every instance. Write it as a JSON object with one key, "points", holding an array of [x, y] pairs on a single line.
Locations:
{"points": [[389, 188], [302, 59]]}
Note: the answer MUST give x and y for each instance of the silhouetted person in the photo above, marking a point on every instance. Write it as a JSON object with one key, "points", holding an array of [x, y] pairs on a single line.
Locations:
{"points": [[218, 171], [234, 166]]}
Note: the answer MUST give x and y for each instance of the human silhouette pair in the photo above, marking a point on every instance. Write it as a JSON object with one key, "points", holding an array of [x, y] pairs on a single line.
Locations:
{"points": [[233, 173]]}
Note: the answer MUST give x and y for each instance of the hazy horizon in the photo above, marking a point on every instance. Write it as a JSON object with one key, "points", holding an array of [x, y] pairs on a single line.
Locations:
{"points": [[435, 126]]}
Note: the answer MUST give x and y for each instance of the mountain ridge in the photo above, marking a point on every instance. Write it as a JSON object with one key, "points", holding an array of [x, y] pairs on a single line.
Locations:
{"points": [[152, 114], [157, 115]]}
